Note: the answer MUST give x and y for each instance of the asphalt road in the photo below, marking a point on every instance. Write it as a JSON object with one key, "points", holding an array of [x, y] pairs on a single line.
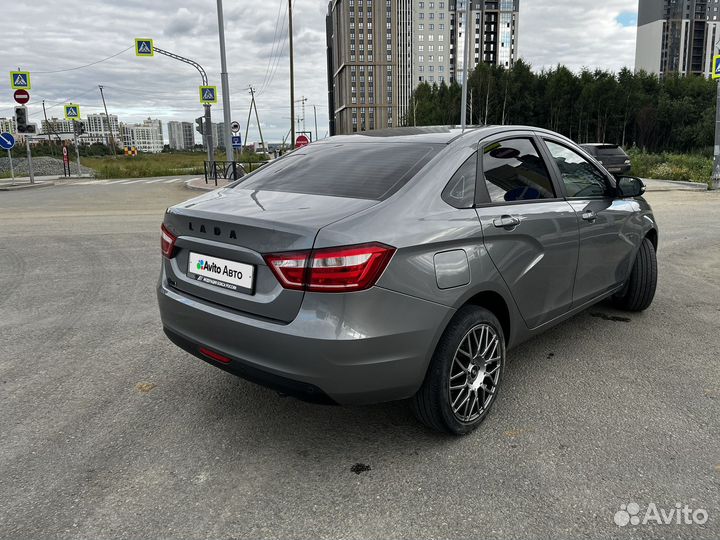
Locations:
{"points": [[109, 431]]}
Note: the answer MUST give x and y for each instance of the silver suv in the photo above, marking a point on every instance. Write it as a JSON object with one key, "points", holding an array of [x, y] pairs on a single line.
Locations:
{"points": [[402, 264]]}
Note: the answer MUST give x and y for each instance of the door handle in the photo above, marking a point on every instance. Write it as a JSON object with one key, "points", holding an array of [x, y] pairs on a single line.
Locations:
{"points": [[589, 216], [506, 222]]}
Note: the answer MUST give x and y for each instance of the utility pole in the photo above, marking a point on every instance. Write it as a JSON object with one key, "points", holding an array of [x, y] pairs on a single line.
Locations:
{"points": [[257, 119], [225, 86], [76, 127], [466, 61], [471, 107], [107, 119], [292, 75], [47, 126], [315, 115]]}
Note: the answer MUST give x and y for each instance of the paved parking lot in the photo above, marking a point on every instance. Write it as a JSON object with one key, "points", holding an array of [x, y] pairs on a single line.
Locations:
{"points": [[109, 431]]}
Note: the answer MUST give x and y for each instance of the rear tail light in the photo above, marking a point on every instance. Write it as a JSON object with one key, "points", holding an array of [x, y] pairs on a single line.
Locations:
{"points": [[167, 242], [215, 356], [342, 269]]}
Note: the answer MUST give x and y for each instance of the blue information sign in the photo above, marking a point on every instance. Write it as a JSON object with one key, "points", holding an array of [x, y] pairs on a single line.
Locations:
{"points": [[237, 141], [7, 141]]}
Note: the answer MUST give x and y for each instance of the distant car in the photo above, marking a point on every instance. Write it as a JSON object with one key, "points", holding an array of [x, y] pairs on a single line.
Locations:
{"points": [[612, 157], [403, 264]]}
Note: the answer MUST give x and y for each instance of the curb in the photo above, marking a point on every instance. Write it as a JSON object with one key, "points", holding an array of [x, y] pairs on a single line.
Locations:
{"points": [[668, 185], [20, 187]]}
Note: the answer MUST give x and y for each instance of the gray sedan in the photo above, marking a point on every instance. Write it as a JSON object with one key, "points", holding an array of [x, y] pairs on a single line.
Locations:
{"points": [[402, 264]]}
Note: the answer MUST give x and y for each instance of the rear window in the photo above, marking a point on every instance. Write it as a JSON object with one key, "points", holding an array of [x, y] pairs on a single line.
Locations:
{"points": [[357, 171], [614, 151]]}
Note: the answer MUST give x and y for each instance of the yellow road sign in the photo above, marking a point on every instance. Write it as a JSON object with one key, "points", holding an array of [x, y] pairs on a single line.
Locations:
{"points": [[716, 67], [72, 112], [20, 80], [208, 95], [144, 47]]}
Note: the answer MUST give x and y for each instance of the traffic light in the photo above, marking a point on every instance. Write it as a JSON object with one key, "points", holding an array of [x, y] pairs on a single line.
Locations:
{"points": [[199, 126], [21, 119], [79, 127]]}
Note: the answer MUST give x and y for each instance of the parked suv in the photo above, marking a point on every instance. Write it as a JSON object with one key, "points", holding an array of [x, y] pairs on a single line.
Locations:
{"points": [[611, 156], [402, 264]]}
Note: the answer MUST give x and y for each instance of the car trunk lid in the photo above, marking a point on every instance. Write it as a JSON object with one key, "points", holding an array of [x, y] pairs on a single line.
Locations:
{"points": [[240, 225]]}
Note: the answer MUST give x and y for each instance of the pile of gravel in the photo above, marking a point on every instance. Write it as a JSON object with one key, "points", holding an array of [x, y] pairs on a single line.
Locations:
{"points": [[42, 166]]}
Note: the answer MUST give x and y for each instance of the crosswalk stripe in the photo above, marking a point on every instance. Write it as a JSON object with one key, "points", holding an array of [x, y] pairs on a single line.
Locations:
{"points": [[132, 181], [171, 181], [156, 181]]}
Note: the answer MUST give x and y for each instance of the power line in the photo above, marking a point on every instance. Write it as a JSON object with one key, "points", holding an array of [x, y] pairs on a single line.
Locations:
{"points": [[278, 53], [274, 41], [84, 65]]}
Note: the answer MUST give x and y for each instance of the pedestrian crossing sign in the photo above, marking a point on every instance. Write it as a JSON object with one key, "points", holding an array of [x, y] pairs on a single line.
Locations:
{"points": [[20, 80], [208, 95], [144, 47], [72, 112], [716, 67]]}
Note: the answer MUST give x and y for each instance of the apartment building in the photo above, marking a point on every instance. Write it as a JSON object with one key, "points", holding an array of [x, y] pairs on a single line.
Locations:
{"points": [[181, 135], [379, 51], [677, 36], [146, 137]]}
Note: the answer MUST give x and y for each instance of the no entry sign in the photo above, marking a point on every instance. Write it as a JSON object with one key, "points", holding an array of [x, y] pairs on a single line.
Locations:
{"points": [[301, 141], [21, 96]]}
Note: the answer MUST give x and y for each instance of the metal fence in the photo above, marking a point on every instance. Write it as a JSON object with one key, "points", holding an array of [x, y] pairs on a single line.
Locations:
{"points": [[228, 170]]}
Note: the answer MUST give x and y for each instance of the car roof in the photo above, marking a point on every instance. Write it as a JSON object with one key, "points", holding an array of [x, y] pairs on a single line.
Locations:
{"points": [[430, 134]]}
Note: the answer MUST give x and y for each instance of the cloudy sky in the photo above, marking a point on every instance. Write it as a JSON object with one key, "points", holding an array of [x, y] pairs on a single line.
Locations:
{"points": [[51, 39]]}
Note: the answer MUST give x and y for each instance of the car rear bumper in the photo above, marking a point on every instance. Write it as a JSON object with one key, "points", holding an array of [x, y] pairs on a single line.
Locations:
{"points": [[364, 347]]}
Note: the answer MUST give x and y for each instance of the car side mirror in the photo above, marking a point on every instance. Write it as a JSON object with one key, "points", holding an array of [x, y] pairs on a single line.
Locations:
{"points": [[630, 186]]}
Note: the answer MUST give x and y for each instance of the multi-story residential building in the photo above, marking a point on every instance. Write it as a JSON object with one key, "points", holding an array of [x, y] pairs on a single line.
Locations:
{"points": [[181, 135], [146, 137], [175, 135], [188, 135], [99, 130], [677, 36], [8, 125], [378, 51], [57, 126]]}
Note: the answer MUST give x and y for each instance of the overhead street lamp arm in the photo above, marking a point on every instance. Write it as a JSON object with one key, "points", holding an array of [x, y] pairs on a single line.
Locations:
{"points": [[186, 60], [207, 123]]}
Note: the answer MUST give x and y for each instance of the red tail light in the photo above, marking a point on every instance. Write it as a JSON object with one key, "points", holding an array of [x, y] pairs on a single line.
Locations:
{"points": [[167, 242], [215, 356], [343, 269]]}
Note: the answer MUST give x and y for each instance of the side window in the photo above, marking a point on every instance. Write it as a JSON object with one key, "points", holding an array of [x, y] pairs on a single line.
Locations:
{"points": [[580, 177], [460, 191], [514, 171]]}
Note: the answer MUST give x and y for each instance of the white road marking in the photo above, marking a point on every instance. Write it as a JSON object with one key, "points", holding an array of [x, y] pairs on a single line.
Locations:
{"points": [[132, 181], [156, 181]]}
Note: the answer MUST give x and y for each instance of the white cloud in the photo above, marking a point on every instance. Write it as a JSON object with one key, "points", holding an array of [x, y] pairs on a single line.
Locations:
{"points": [[35, 36]]}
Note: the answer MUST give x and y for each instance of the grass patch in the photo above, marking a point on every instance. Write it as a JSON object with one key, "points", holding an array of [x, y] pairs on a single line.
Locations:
{"points": [[145, 165], [682, 167]]}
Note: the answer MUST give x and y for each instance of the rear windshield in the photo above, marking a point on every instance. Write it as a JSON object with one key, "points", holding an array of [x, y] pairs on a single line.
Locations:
{"points": [[358, 170], [605, 150], [613, 151]]}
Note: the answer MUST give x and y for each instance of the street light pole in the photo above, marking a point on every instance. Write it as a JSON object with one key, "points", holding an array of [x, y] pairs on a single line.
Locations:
{"points": [[225, 85], [292, 75]]}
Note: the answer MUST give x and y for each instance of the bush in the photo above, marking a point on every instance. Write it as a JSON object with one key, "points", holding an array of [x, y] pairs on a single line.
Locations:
{"points": [[665, 166]]}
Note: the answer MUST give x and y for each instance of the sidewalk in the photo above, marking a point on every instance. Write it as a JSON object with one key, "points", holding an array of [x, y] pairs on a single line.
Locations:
{"points": [[672, 185], [199, 184]]}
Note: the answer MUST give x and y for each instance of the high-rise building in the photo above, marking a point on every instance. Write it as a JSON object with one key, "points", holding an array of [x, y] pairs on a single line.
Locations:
{"points": [[188, 135], [181, 135], [677, 36], [379, 51], [98, 130], [175, 139], [146, 137]]}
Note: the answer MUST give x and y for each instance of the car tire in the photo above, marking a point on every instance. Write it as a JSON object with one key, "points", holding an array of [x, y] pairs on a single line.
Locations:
{"points": [[640, 289], [438, 403]]}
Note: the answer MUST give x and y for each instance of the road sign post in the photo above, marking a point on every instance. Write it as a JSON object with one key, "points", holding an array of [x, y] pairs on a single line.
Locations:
{"points": [[716, 164], [7, 142], [66, 161]]}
